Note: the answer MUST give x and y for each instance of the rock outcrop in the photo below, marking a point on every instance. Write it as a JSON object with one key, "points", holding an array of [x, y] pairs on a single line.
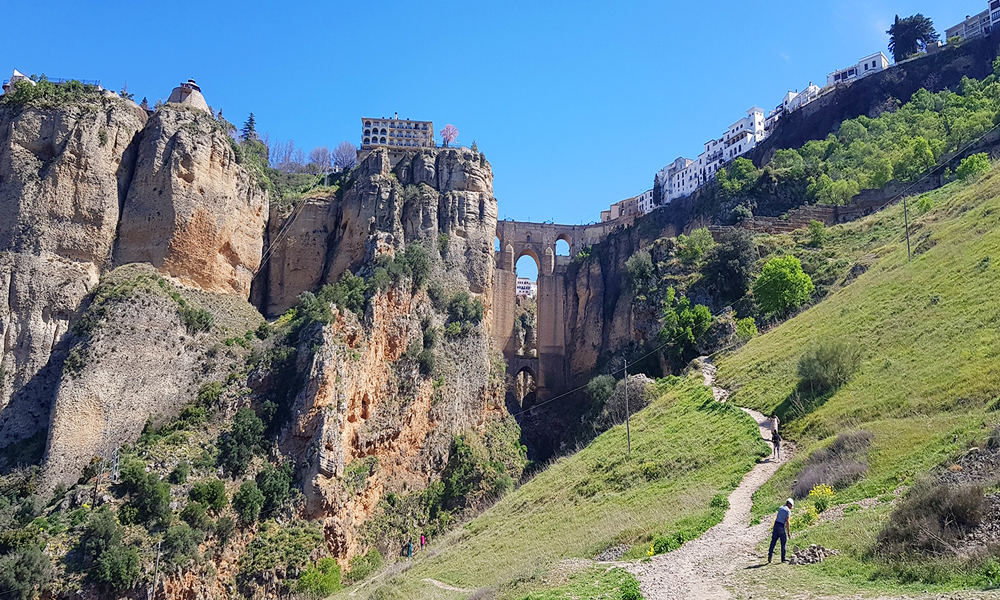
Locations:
{"points": [[191, 210], [64, 170], [442, 197]]}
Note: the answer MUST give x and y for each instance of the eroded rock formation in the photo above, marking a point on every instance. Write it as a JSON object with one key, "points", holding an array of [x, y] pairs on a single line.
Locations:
{"points": [[191, 210]]}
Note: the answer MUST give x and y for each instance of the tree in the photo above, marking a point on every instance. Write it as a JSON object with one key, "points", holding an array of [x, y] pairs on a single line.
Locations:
{"points": [[242, 443], [974, 166], [657, 191], [449, 134], [730, 264], [638, 272], [320, 158], [910, 35], [24, 572], [345, 156], [683, 325], [144, 105], [124, 93], [782, 285], [249, 131], [248, 502]]}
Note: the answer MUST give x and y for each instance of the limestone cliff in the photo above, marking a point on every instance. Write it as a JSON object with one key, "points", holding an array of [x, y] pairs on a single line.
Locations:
{"points": [[192, 211], [64, 169], [444, 196]]}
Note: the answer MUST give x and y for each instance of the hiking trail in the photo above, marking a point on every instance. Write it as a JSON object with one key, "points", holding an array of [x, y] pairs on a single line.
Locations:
{"points": [[698, 569]]}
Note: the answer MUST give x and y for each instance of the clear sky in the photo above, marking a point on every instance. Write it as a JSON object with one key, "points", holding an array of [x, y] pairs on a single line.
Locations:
{"points": [[576, 105]]}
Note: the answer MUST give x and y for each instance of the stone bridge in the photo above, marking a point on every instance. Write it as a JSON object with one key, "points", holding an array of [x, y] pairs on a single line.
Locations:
{"points": [[538, 240]]}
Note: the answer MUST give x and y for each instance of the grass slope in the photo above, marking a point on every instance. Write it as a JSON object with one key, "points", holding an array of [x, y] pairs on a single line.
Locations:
{"points": [[686, 449], [930, 334]]}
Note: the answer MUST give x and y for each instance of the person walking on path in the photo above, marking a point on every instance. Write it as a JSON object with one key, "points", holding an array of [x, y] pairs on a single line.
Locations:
{"points": [[781, 529], [423, 541], [409, 549], [775, 436]]}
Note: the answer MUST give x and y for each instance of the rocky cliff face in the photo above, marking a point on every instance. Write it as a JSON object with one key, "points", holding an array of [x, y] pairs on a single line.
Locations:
{"points": [[441, 196], [63, 174], [87, 178], [191, 210]]}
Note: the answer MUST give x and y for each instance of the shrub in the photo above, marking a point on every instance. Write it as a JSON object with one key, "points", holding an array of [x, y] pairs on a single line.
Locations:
{"points": [[419, 262], [730, 264], [274, 484], [248, 502], [691, 249], [321, 580], [363, 565], [211, 494], [817, 233], [782, 285], [599, 389], [931, 519], [463, 308], [746, 329], [149, 496], [426, 361], [208, 394], [640, 394], [827, 365], [683, 325], [821, 496], [804, 519], [180, 544], [224, 528], [838, 465], [180, 473], [194, 515], [974, 166], [195, 319], [100, 533], [118, 567], [244, 441], [638, 272], [23, 573]]}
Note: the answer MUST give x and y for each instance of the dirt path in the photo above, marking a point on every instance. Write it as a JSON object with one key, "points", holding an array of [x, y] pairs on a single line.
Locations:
{"points": [[444, 586], [698, 569]]}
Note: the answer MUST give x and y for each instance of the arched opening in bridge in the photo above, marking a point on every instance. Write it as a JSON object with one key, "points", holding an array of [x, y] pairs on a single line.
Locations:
{"points": [[523, 388], [526, 306], [562, 247], [496, 244]]}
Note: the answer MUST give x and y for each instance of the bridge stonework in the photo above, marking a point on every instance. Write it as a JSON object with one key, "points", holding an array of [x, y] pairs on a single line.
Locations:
{"points": [[538, 240]]}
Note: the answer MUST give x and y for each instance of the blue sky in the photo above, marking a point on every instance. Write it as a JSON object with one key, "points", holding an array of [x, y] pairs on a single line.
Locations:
{"points": [[576, 105]]}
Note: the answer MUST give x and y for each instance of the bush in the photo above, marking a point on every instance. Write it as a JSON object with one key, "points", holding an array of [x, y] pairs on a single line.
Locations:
{"points": [[100, 533], [426, 361], [180, 544], [691, 249], [463, 308], [419, 262], [746, 329], [224, 528], [599, 389], [730, 264], [320, 580], [211, 494], [195, 319], [782, 286], [208, 394], [180, 473], [248, 502], [194, 515], [931, 519], [149, 496], [638, 272], [838, 465], [974, 166], [828, 365], [683, 325], [118, 567], [244, 441], [640, 394], [23, 573], [274, 484], [363, 565], [817, 233]]}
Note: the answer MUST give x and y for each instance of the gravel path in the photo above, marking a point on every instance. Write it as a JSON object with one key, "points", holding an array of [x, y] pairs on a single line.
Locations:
{"points": [[697, 570]]}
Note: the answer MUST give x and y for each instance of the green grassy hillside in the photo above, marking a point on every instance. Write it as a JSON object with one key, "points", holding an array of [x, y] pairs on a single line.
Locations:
{"points": [[686, 449], [928, 332]]}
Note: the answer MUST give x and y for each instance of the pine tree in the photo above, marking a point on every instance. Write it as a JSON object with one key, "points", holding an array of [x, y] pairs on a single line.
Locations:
{"points": [[249, 131], [144, 105]]}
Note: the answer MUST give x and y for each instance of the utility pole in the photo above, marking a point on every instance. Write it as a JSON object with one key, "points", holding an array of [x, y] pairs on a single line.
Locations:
{"points": [[628, 434], [156, 571], [906, 224]]}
